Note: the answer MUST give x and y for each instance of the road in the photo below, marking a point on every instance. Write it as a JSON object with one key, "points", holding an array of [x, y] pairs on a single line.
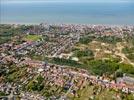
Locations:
{"points": [[122, 55]]}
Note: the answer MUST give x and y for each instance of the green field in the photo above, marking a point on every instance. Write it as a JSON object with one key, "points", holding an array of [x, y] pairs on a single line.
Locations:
{"points": [[104, 94], [32, 37]]}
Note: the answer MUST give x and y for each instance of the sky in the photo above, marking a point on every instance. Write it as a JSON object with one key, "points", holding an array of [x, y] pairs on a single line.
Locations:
{"points": [[35, 1]]}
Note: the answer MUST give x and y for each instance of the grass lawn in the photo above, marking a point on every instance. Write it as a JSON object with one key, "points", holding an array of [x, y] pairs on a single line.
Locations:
{"points": [[32, 37], [84, 94], [87, 92]]}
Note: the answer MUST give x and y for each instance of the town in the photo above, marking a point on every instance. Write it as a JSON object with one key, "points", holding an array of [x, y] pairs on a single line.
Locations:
{"points": [[61, 61]]}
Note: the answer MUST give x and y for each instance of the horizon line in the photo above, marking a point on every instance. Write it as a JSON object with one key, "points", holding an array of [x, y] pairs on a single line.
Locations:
{"points": [[60, 1]]}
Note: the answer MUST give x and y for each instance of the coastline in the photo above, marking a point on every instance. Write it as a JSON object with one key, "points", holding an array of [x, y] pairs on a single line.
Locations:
{"points": [[80, 24]]}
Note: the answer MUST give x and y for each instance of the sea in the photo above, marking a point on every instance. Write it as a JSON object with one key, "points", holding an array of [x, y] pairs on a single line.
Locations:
{"points": [[70, 13]]}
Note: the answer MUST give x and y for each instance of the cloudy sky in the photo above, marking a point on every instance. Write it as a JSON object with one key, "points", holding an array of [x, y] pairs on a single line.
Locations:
{"points": [[66, 0]]}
